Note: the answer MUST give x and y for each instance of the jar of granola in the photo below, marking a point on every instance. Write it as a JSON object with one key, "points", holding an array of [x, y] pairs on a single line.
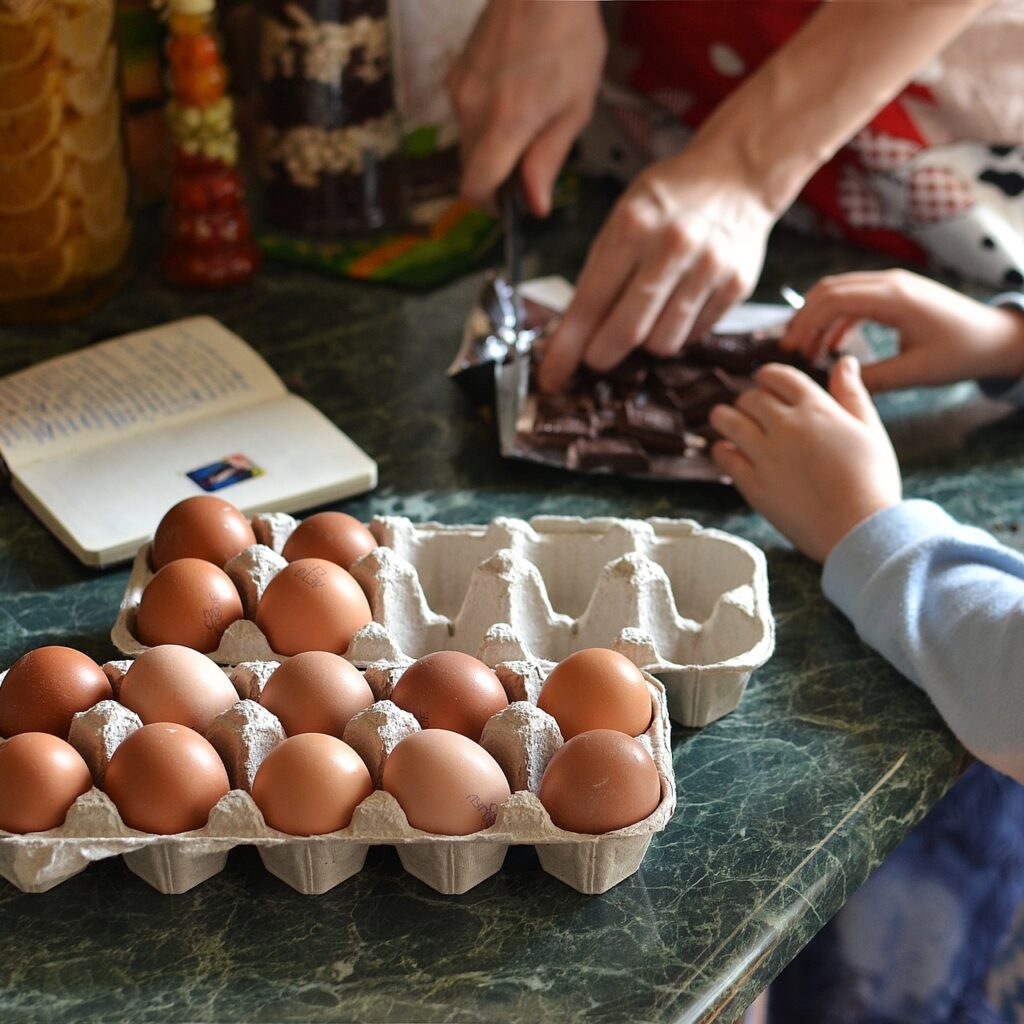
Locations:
{"points": [[64, 227], [329, 137]]}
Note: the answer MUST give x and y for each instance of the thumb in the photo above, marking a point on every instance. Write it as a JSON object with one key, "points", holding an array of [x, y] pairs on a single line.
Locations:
{"points": [[847, 388]]}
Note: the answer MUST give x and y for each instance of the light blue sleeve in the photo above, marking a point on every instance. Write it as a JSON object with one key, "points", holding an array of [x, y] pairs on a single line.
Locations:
{"points": [[945, 604]]}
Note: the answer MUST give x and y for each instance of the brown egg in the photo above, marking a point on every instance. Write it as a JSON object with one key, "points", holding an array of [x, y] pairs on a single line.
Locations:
{"points": [[316, 692], [445, 783], [334, 536], [41, 776], [597, 689], [450, 690], [188, 602], [312, 605], [201, 527], [600, 781], [165, 779], [309, 785], [171, 683], [45, 689]]}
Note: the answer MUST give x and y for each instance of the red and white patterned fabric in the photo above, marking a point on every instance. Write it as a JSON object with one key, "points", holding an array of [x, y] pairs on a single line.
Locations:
{"points": [[936, 175]]}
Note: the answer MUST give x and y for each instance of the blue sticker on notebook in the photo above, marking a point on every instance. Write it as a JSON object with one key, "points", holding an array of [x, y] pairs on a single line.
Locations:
{"points": [[232, 469]]}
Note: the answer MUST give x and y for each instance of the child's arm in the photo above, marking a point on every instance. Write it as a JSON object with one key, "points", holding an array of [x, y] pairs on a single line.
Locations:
{"points": [[943, 602], [944, 336]]}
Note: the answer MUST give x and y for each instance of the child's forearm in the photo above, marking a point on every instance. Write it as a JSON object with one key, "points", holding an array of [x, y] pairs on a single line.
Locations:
{"points": [[945, 604], [824, 84]]}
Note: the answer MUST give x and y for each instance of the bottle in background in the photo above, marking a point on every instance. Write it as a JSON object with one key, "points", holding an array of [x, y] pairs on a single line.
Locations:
{"points": [[427, 37], [211, 243], [64, 227], [147, 136]]}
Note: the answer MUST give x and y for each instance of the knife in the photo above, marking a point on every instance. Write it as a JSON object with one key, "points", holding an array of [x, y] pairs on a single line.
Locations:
{"points": [[510, 200], [512, 374]]}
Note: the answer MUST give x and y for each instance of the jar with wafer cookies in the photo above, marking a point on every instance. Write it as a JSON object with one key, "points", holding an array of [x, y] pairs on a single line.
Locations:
{"points": [[64, 225]]}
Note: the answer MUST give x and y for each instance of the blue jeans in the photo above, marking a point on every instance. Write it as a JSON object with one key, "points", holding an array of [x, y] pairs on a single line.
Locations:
{"points": [[914, 945]]}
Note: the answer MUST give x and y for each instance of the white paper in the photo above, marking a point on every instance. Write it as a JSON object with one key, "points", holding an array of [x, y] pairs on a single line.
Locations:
{"points": [[556, 293], [144, 381], [427, 36], [100, 442], [753, 316]]}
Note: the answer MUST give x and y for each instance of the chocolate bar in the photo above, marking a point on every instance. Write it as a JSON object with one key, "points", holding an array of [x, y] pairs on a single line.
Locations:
{"points": [[656, 427], [619, 454], [699, 398], [647, 414], [562, 419]]}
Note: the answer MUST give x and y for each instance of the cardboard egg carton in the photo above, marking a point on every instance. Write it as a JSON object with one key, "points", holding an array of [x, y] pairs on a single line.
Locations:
{"points": [[687, 604], [521, 737]]}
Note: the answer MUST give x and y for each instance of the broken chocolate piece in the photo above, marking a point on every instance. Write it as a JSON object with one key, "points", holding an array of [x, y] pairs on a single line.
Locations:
{"points": [[656, 427], [648, 413], [734, 352], [607, 421], [632, 371], [673, 374], [619, 454], [696, 401], [708, 435], [604, 395], [561, 419]]}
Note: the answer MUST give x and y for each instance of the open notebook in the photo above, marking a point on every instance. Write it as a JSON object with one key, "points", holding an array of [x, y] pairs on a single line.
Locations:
{"points": [[99, 443]]}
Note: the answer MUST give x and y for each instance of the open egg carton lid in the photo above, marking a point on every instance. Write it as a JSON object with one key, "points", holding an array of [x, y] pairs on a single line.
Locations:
{"points": [[521, 738], [686, 604]]}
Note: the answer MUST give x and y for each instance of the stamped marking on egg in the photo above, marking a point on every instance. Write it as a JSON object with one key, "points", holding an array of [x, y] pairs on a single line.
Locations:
{"points": [[488, 812], [213, 613], [312, 576]]}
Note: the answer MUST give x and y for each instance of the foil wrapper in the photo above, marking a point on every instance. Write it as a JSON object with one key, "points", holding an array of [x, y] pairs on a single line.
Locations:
{"points": [[645, 419]]}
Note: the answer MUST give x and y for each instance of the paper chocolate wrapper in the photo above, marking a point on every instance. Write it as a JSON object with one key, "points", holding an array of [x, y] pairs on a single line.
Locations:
{"points": [[686, 604], [498, 370]]}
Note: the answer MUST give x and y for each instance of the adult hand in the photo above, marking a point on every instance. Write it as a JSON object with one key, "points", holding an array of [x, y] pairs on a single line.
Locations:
{"points": [[814, 463], [944, 336], [522, 89], [684, 243]]}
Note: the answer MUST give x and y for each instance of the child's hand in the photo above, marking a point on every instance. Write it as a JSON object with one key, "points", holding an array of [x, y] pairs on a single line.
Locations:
{"points": [[815, 464], [944, 336]]}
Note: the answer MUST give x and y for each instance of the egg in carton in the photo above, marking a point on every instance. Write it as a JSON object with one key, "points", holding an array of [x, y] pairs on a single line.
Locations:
{"points": [[689, 604], [521, 737]]}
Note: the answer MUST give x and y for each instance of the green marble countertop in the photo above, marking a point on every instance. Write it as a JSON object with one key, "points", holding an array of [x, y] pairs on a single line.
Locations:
{"points": [[785, 806]]}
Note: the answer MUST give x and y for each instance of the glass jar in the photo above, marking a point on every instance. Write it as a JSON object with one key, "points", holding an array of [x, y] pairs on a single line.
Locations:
{"points": [[64, 227], [328, 139], [211, 245]]}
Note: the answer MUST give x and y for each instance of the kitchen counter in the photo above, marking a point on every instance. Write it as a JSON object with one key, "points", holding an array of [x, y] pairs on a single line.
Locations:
{"points": [[785, 806]]}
